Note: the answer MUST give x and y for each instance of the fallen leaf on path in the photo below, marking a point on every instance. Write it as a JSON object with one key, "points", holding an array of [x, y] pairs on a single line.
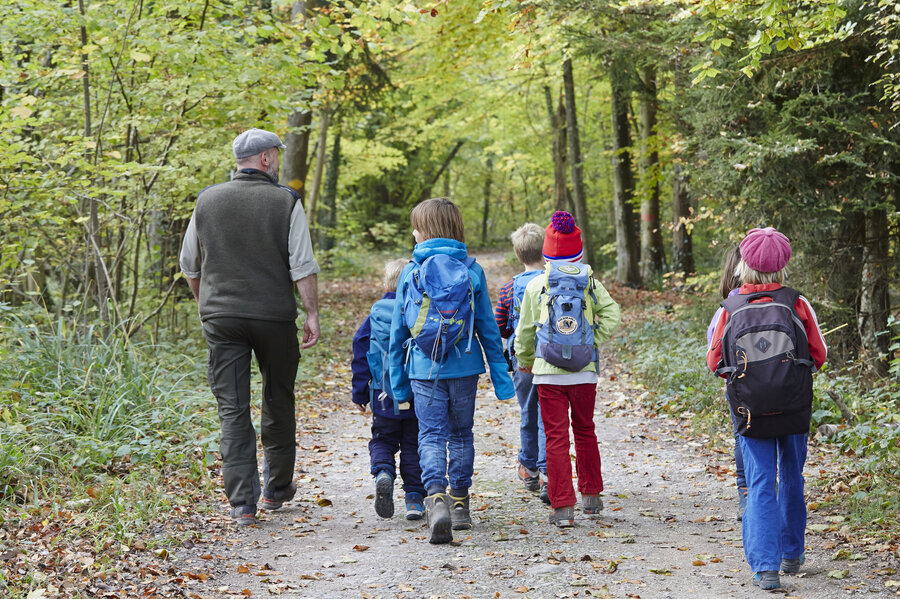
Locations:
{"points": [[663, 571], [839, 574], [323, 502], [360, 547], [522, 589]]}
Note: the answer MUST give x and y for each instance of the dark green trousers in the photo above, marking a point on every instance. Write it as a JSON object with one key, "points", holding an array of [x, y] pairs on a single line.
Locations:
{"points": [[230, 341]]}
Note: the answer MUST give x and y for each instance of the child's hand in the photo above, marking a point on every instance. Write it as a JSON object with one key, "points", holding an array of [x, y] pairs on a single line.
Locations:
{"points": [[361, 407], [525, 370]]}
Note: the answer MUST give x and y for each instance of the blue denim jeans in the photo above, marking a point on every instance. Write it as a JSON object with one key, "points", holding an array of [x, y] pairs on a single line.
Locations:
{"points": [[446, 413], [532, 443], [775, 521]]}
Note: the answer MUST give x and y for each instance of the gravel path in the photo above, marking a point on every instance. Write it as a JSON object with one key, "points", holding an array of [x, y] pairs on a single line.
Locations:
{"points": [[668, 529]]}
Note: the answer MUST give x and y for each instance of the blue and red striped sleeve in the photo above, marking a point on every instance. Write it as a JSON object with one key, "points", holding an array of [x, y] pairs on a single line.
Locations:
{"points": [[504, 305]]}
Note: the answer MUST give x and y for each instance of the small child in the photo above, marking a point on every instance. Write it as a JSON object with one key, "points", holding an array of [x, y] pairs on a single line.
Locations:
{"points": [[774, 522], [527, 242], [393, 427], [729, 285], [444, 389], [569, 386]]}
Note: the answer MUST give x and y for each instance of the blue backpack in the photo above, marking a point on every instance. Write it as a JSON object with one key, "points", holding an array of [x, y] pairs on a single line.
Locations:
{"points": [[379, 386], [439, 305], [767, 366], [520, 282], [566, 338]]}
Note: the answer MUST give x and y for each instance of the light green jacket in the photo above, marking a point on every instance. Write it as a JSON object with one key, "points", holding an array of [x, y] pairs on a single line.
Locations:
{"points": [[605, 312]]}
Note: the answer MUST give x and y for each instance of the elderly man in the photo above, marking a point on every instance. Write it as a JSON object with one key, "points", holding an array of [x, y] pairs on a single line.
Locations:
{"points": [[247, 241]]}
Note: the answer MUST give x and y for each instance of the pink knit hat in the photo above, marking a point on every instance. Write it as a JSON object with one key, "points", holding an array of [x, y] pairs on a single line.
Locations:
{"points": [[562, 239], [766, 250]]}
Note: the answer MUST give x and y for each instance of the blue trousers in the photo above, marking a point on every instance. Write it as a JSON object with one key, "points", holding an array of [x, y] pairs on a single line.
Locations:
{"points": [[532, 443], [446, 414], [390, 435], [738, 455], [774, 524]]}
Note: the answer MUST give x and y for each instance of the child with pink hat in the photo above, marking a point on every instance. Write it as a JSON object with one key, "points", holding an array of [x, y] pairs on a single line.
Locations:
{"points": [[766, 342]]}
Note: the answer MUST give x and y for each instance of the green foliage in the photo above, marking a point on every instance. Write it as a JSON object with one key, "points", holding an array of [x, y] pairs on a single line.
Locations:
{"points": [[667, 353], [76, 407]]}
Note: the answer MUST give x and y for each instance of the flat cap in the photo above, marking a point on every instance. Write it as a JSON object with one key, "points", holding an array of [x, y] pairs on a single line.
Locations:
{"points": [[253, 141]]}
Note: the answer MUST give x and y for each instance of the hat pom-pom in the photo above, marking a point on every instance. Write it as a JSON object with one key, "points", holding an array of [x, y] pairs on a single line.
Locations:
{"points": [[563, 222]]}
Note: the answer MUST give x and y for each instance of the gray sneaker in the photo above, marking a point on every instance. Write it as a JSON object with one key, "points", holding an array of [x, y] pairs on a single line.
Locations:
{"points": [[459, 513], [767, 580], [792, 566], [384, 494], [244, 515], [563, 517], [275, 499], [591, 504]]}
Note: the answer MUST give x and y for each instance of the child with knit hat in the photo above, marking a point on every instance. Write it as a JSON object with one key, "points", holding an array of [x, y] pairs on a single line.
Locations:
{"points": [[561, 388], [774, 522]]}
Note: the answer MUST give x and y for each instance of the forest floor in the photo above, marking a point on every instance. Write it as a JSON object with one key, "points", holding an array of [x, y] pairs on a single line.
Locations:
{"points": [[668, 528]]}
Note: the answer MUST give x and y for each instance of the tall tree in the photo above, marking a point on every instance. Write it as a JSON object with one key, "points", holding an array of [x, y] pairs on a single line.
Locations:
{"points": [[562, 199], [652, 252], [627, 271], [578, 196], [488, 180]]}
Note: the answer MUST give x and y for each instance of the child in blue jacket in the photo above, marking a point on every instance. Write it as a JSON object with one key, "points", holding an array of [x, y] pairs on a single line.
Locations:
{"points": [[393, 426], [445, 392]]}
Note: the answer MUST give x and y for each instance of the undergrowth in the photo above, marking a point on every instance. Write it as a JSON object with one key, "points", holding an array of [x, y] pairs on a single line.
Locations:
{"points": [[102, 427], [666, 349]]}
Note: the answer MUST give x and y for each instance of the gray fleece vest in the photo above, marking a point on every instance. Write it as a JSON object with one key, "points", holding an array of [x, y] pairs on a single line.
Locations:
{"points": [[243, 230]]}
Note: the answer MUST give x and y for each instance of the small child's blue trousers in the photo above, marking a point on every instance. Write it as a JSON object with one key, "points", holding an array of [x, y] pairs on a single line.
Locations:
{"points": [[389, 435], [774, 524], [532, 443]]}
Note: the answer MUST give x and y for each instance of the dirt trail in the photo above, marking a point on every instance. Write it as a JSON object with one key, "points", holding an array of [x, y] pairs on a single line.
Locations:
{"points": [[668, 529]]}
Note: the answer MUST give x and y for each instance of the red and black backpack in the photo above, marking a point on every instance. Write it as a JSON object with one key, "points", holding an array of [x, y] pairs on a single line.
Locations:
{"points": [[767, 365]]}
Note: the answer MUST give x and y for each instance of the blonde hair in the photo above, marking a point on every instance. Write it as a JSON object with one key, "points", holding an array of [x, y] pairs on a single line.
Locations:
{"points": [[392, 272], [528, 243], [438, 217], [753, 277]]}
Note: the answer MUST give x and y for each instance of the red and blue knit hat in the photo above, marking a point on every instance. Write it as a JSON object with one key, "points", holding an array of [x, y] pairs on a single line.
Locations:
{"points": [[562, 239]]}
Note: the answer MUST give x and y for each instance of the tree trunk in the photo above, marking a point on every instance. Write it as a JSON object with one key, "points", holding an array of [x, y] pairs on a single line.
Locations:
{"points": [[652, 253], [93, 243], [487, 200], [874, 304], [329, 195], [682, 244], [623, 183], [321, 148], [579, 200], [296, 152], [561, 199]]}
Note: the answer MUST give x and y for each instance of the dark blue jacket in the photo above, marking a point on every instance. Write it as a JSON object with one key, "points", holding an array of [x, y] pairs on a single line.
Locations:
{"points": [[362, 375]]}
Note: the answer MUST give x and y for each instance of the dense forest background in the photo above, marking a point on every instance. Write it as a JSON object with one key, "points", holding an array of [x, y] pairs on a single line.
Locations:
{"points": [[668, 127]]}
